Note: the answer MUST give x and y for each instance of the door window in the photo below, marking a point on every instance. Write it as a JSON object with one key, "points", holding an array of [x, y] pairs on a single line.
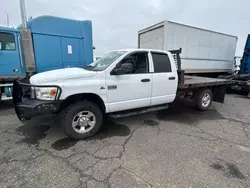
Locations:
{"points": [[161, 62], [139, 62], [7, 41]]}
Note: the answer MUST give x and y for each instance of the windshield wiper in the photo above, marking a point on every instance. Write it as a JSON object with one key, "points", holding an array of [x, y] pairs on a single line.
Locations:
{"points": [[90, 68]]}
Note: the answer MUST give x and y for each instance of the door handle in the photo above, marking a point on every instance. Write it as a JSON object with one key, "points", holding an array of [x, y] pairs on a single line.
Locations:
{"points": [[145, 80], [171, 78]]}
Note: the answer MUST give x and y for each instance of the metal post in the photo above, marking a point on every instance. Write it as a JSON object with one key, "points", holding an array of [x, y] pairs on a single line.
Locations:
{"points": [[7, 16], [23, 14]]}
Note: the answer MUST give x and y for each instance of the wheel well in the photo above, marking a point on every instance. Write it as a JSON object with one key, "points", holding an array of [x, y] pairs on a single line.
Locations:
{"points": [[217, 91], [83, 96]]}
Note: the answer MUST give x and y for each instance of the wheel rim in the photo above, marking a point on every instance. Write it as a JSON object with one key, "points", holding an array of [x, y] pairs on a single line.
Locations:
{"points": [[206, 99], [83, 122]]}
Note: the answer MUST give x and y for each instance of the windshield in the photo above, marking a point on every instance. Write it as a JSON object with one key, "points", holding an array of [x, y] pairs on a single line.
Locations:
{"points": [[105, 61]]}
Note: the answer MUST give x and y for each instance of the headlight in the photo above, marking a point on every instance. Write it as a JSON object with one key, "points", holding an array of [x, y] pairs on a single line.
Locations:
{"points": [[46, 93]]}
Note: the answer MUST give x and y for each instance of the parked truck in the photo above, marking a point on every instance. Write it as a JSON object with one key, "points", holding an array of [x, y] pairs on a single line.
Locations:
{"points": [[121, 83], [41, 44], [204, 52], [241, 81]]}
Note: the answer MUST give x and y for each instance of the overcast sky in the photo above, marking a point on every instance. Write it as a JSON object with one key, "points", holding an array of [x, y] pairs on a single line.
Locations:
{"points": [[116, 22]]}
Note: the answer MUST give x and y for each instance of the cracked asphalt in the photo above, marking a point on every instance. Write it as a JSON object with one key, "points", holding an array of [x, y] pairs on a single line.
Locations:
{"points": [[179, 147]]}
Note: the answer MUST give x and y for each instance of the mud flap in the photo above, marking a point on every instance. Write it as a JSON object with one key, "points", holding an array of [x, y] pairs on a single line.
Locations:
{"points": [[219, 94]]}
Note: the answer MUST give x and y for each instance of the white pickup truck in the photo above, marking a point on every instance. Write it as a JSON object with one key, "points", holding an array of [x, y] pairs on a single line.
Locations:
{"points": [[121, 83]]}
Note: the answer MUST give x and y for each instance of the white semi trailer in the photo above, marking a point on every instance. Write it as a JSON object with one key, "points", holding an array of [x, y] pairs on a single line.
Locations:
{"points": [[203, 51]]}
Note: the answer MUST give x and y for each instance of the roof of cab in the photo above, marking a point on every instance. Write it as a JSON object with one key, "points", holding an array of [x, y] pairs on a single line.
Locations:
{"points": [[58, 26], [139, 49], [8, 29]]}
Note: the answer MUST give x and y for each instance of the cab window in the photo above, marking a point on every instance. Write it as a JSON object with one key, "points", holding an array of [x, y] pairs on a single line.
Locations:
{"points": [[161, 62], [7, 41], [139, 61]]}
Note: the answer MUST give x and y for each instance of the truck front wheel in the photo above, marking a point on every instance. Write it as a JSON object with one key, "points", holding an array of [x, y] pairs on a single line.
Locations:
{"points": [[204, 99], [82, 119]]}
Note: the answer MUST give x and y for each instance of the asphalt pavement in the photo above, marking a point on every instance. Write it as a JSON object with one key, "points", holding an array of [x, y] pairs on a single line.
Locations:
{"points": [[179, 147]]}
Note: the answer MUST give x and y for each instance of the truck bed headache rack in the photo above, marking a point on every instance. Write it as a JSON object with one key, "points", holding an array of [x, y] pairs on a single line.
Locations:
{"points": [[177, 59]]}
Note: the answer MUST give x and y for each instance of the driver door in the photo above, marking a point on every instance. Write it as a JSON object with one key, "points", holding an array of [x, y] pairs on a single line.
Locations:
{"points": [[131, 90], [10, 59]]}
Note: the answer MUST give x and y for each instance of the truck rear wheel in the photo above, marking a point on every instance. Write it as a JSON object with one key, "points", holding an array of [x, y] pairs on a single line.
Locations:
{"points": [[204, 99], [82, 119]]}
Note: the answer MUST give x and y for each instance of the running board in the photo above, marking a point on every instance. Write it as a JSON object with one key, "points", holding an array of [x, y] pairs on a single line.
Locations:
{"points": [[137, 111]]}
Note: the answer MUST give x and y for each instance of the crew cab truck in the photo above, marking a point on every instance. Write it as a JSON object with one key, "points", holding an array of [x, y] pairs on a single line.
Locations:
{"points": [[241, 81], [123, 82]]}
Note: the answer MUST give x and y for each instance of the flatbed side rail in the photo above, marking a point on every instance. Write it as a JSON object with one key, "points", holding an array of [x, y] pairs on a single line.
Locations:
{"points": [[204, 84]]}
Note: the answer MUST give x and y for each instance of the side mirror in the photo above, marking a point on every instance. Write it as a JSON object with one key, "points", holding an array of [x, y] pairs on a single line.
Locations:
{"points": [[125, 68]]}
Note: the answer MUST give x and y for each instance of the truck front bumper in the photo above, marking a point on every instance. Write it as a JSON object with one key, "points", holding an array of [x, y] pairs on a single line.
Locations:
{"points": [[27, 106]]}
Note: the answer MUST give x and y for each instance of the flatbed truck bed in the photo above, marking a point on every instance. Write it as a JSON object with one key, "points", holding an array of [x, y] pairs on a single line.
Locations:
{"points": [[197, 81], [194, 87]]}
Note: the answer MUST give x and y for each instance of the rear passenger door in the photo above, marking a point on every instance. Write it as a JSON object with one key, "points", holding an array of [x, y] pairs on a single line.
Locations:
{"points": [[165, 78]]}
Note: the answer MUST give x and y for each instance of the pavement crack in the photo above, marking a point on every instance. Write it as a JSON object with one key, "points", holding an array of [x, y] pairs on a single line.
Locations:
{"points": [[13, 133], [244, 129], [200, 137], [106, 180], [201, 130], [65, 160], [74, 154], [100, 158], [145, 181], [223, 130], [217, 138], [27, 160], [109, 176], [126, 141], [91, 166], [234, 120]]}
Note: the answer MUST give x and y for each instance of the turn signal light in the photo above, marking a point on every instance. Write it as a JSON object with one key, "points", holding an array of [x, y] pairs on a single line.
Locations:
{"points": [[53, 92]]}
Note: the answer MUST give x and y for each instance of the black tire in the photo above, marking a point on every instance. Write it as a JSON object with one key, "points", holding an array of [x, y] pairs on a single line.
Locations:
{"points": [[71, 111], [199, 96]]}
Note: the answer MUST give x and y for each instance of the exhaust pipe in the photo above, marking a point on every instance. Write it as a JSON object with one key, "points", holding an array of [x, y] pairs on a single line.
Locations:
{"points": [[23, 14], [27, 43]]}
